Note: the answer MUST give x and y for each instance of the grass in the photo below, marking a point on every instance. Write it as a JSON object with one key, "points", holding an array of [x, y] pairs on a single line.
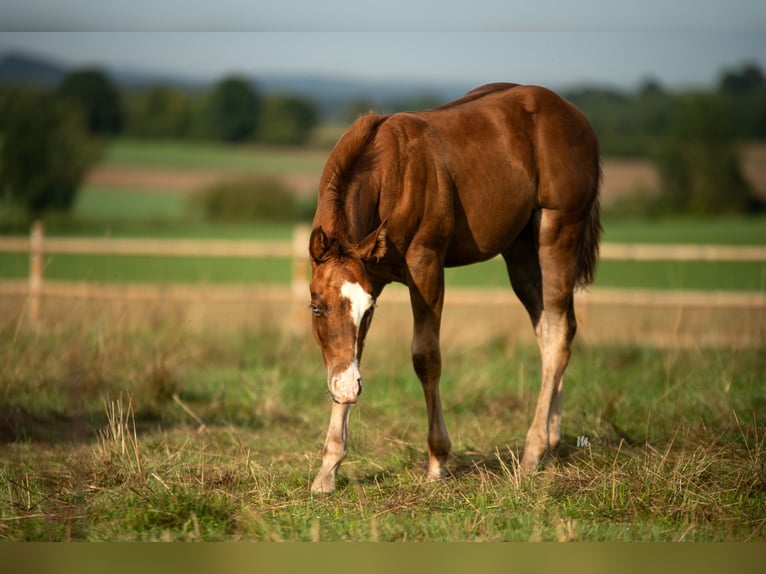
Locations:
{"points": [[727, 276], [104, 203], [159, 269], [725, 230], [205, 155], [696, 275], [115, 432]]}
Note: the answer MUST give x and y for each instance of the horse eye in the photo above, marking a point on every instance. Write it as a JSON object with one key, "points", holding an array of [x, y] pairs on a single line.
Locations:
{"points": [[316, 310]]}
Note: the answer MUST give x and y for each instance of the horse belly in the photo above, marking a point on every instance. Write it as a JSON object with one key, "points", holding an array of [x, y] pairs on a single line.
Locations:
{"points": [[487, 223], [495, 191]]}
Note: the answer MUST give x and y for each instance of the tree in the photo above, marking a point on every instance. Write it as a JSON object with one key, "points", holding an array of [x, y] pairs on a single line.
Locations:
{"points": [[233, 110], [287, 120], [744, 92], [699, 167], [98, 98], [746, 79], [161, 112], [45, 154], [650, 87]]}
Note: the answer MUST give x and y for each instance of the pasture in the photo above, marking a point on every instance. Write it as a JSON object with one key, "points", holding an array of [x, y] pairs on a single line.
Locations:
{"points": [[126, 420], [128, 424]]}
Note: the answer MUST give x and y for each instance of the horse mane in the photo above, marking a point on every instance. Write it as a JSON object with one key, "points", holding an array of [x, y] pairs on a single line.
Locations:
{"points": [[350, 156], [478, 93]]}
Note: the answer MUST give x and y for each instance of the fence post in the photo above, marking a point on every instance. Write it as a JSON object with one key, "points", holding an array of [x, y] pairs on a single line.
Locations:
{"points": [[300, 279], [36, 237]]}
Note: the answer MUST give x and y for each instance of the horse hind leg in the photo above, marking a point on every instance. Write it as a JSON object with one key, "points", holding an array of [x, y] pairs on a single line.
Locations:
{"points": [[542, 266]]}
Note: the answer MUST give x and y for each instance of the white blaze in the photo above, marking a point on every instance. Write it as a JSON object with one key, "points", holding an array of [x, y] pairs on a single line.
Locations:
{"points": [[345, 386], [360, 300]]}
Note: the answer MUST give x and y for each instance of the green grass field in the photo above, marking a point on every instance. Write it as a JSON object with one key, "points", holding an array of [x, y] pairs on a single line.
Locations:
{"points": [[156, 433], [128, 205], [206, 155]]}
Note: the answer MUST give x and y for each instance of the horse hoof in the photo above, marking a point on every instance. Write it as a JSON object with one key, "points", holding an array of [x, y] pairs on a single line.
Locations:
{"points": [[436, 474], [529, 465], [322, 486]]}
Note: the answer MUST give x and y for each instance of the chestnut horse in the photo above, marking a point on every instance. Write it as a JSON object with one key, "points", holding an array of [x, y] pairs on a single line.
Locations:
{"points": [[507, 169]]}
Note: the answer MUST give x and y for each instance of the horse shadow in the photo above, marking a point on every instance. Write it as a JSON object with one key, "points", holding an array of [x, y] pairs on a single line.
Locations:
{"points": [[500, 460], [495, 461], [52, 427]]}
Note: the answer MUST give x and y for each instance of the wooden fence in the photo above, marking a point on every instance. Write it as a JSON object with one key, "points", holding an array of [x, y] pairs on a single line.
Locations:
{"points": [[37, 245]]}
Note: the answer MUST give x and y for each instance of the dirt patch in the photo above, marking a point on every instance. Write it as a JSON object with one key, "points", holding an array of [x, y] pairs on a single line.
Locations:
{"points": [[161, 180], [754, 167], [626, 177]]}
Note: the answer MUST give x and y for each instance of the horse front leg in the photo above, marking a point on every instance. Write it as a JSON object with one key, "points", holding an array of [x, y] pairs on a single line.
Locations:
{"points": [[335, 448], [427, 297]]}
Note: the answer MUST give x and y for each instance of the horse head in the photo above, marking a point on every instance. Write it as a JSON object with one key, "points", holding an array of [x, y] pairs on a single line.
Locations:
{"points": [[342, 304]]}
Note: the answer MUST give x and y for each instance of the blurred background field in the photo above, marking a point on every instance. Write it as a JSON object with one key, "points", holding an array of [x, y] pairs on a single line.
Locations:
{"points": [[149, 189]]}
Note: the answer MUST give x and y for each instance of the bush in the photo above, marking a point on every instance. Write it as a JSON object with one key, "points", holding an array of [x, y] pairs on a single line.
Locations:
{"points": [[256, 199], [46, 153]]}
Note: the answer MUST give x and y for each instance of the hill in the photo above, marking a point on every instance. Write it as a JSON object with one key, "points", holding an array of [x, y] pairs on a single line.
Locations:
{"points": [[17, 68]]}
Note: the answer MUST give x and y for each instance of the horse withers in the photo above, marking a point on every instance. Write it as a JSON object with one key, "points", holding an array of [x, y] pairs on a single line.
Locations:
{"points": [[507, 169]]}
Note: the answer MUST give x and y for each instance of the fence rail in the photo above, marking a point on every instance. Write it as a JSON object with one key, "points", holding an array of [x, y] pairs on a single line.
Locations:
{"points": [[664, 252], [296, 249]]}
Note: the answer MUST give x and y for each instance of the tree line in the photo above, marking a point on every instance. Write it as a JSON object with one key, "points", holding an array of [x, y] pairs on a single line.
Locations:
{"points": [[49, 138], [694, 138], [232, 110], [635, 123]]}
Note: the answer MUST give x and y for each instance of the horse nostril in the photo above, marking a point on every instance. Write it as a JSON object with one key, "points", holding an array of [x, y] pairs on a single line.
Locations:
{"points": [[359, 382]]}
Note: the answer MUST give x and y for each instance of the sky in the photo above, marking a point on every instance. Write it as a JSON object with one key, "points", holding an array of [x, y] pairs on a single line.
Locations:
{"points": [[554, 42]]}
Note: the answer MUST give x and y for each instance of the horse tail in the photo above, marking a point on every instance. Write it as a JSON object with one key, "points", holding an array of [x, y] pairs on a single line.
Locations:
{"points": [[587, 256]]}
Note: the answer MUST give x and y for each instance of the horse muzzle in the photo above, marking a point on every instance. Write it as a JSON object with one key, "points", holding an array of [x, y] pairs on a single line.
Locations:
{"points": [[345, 387]]}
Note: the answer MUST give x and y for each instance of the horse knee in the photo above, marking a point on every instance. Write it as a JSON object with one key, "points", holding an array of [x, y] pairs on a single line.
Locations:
{"points": [[427, 365]]}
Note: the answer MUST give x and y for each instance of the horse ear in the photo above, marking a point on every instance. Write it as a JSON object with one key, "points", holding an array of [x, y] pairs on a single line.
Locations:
{"points": [[373, 247], [318, 244]]}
